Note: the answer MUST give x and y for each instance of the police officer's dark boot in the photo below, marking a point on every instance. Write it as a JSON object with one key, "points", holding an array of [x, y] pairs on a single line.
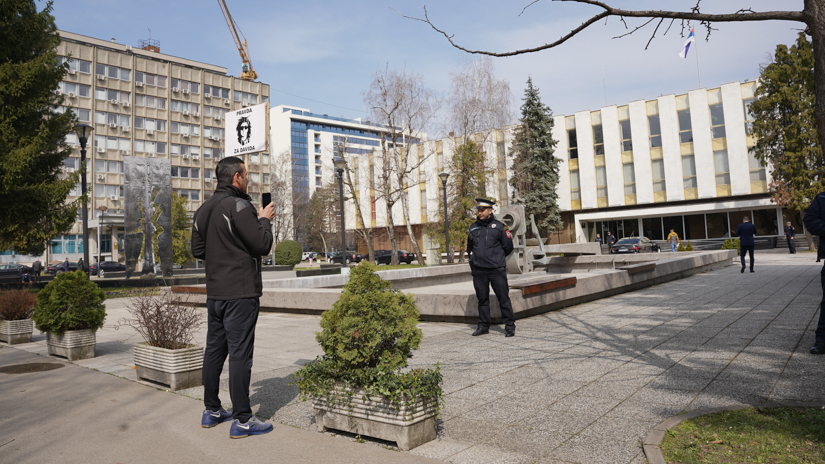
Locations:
{"points": [[481, 331]]}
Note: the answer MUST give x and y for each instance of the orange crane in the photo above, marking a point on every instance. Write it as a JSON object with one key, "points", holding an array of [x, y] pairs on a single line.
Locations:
{"points": [[247, 72]]}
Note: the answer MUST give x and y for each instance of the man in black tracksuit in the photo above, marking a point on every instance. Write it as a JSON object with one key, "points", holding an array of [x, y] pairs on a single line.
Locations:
{"points": [[815, 223], [231, 236], [489, 242]]}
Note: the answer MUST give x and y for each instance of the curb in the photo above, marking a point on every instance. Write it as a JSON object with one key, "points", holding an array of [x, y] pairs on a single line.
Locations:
{"points": [[654, 438]]}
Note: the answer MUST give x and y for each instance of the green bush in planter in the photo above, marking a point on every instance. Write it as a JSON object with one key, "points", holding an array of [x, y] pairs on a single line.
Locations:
{"points": [[367, 337], [689, 247], [70, 302], [288, 253], [731, 244]]}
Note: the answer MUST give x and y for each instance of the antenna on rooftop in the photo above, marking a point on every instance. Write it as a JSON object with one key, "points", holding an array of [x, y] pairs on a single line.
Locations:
{"points": [[149, 44]]}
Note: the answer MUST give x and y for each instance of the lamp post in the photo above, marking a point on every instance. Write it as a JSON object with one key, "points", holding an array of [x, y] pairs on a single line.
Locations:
{"points": [[102, 209], [340, 163], [83, 132], [443, 176]]}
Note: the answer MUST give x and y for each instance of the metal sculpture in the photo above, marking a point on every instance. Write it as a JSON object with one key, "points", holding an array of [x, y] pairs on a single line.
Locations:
{"points": [[523, 259], [148, 215]]}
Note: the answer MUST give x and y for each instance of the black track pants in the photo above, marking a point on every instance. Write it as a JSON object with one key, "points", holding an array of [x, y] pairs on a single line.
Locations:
{"points": [[497, 278]]}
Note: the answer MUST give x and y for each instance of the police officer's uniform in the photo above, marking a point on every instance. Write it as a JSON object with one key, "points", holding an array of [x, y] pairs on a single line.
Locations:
{"points": [[815, 224], [489, 242]]}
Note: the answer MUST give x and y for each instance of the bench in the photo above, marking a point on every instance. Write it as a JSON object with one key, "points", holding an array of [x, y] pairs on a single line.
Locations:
{"points": [[638, 268], [543, 285], [186, 289]]}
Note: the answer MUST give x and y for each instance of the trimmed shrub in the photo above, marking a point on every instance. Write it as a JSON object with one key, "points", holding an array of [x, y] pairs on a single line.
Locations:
{"points": [[371, 325], [164, 319], [680, 248], [731, 244], [70, 302], [288, 253], [689, 247], [17, 305]]}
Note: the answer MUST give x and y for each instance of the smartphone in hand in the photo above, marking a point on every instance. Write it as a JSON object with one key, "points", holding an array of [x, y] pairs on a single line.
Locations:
{"points": [[266, 199]]}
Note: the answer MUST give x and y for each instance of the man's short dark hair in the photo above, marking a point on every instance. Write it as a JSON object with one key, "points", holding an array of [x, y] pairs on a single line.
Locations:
{"points": [[227, 168]]}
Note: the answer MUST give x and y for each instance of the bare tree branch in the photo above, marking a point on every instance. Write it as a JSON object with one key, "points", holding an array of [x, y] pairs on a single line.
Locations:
{"points": [[654, 33], [634, 30], [705, 19], [528, 6]]}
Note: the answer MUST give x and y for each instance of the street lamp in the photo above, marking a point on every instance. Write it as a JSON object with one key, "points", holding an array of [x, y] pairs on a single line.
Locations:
{"points": [[83, 132], [340, 164], [443, 176], [102, 209]]}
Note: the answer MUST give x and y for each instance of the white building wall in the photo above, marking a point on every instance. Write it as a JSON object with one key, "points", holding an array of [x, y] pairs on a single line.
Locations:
{"points": [[735, 137], [702, 145], [641, 152], [560, 136], [587, 162], [613, 156]]}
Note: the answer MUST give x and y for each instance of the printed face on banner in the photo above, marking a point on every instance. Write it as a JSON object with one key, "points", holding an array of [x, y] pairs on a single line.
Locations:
{"points": [[248, 129]]}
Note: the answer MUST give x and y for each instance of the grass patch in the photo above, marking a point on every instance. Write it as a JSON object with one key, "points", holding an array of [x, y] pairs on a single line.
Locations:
{"points": [[765, 435], [126, 292]]}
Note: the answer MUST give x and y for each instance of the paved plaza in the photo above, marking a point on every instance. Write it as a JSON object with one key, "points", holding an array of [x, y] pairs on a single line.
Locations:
{"points": [[581, 385]]}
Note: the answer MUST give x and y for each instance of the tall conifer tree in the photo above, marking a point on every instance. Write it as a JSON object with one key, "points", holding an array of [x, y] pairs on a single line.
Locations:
{"points": [[535, 169], [32, 131]]}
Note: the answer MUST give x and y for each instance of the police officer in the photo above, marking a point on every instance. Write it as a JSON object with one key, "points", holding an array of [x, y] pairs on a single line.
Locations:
{"points": [[489, 242], [815, 224]]}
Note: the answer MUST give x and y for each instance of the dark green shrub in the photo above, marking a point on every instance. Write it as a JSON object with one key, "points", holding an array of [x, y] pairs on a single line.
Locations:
{"points": [[731, 244], [70, 302], [367, 337], [689, 247], [680, 247], [288, 253], [16, 305]]}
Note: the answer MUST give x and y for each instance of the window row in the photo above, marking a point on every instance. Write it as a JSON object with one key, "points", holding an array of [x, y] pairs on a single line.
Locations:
{"points": [[105, 190], [150, 102], [216, 132], [112, 143], [150, 124], [183, 106], [75, 64], [182, 128], [71, 89], [213, 112], [184, 150], [215, 92], [114, 167], [191, 195], [183, 172], [113, 72], [249, 98], [150, 79], [690, 226], [180, 85], [355, 140], [66, 244], [112, 95], [122, 120]]}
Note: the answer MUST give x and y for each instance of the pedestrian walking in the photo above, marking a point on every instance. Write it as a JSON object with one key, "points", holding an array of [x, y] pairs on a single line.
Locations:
{"points": [[790, 233], [80, 265], [673, 240], [37, 268], [232, 244], [745, 232], [66, 265], [610, 241], [488, 243], [815, 223]]}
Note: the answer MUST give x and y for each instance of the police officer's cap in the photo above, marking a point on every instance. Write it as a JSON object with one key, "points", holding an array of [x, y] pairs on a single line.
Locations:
{"points": [[484, 203]]}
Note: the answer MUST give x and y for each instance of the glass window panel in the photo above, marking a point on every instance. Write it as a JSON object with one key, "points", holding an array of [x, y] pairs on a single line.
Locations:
{"points": [[161, 103], [174, 127], [194, 87], [184, 171], [574, 179], [161, 81], [100, 166], [124, 120], [160, 125], [111, 95], [150, 146], [150, 79], [139, 146], [753, 163], [718, 132], [112, 72], [100, 69], [84, 90], [717, 115], [69, 244], [175, 83], [174, 171], [194, 195], [100, 93], [601, 176], [160, 147], [694, 227], [125, 74], [629, 173], [689, 166], [139, 76], [100, 190], [194, 173], [723, 179], [575, 195], [598, 135], [56, 247], [655, 127], [196, 130], [85, 66], [184, 149], [207, 152], [138, 122], [658, 167], [112, 166], [656, 141], [718, 225], [765, 222], [675, 223], [174, 149], [571, 138], [624, 126], [111, 118], [684, 120], [690, 182], [631, 227], [100, 117], [111, 143], [653, 228], [686, 137], [123, 144], [84, 115], [720, 161], [758, 175]]}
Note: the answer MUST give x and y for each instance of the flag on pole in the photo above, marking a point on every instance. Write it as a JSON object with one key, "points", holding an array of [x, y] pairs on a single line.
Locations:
{"points": [[691, 39]]}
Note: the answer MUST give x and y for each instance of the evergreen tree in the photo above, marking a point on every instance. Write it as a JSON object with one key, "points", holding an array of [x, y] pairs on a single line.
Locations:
{"points": [[32, 130], [784, 126], [535, 169], [181, 231]]}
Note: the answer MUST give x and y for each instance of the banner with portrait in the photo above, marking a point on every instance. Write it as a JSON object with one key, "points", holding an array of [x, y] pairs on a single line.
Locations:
{"points": [[247, 130]]}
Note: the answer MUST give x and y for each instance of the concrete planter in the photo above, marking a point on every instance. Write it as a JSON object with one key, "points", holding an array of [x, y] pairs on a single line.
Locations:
{"points": [[179, 369], [72, 344], [14, 332], [409, 427]]}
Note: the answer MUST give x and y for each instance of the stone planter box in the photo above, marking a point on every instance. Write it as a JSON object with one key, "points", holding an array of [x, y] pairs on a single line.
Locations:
{"points": [[14, 332], [72, 344], [409, 427], [179, 369]]}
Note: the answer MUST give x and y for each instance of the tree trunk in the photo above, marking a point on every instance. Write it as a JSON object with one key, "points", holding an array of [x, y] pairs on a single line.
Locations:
{"points": [[815, 14], [391, 231], [405, 210], [365, 232], [812, 245]]}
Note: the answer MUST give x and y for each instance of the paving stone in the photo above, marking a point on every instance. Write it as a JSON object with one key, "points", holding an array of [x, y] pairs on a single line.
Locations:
{"points": [[490, 454], [559, 421], [619, 428], [595, 450]]}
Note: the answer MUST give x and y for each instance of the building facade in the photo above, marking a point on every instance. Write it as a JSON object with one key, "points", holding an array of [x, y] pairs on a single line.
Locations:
{"points": [[141, 102]]}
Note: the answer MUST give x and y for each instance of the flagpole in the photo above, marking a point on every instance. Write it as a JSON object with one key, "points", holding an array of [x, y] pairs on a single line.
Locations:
{"points": [[698, 74]]}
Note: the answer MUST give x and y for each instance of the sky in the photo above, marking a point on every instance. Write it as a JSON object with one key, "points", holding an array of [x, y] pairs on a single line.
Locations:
{"points": [[322, 54]]}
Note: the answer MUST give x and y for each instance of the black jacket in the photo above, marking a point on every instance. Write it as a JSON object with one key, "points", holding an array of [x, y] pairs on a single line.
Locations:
{"points": [[233, 247], [745, 232], [815, 222], [37, 266], [489, 242]]}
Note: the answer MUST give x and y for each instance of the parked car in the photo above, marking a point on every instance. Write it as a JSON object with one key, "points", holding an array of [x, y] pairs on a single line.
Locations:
{"points": [[11, 269], [634, 245], [349, 257], [267, 261], [56, 269], [106, 266], [384, 256]]}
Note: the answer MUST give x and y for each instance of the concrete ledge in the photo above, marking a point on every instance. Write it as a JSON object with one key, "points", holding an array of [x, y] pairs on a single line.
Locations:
{"points": [[637, 268], [652, 443], [529, 288]]}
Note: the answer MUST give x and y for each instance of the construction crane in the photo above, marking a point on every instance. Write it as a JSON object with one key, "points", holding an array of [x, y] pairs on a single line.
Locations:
{"points": [[247, 72]]}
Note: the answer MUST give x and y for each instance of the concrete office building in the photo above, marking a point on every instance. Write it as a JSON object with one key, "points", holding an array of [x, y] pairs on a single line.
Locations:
{"points": [[144, 103], [677, 162]]}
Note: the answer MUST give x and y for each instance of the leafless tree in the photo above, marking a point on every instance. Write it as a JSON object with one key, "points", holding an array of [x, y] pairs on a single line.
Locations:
{"points": [[479, 103], [280, 185], [812, 15], [403, 106], [351, 180]]}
